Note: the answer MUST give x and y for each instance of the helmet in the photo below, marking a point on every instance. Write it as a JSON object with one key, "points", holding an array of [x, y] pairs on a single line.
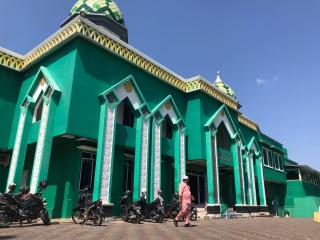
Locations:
{"points": [[160, 192], [185, 178], [12, 187], [144, 191]]}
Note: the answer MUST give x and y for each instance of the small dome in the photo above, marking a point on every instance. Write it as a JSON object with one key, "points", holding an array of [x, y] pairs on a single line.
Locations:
{"points": [[104, 7], [224, 87]]}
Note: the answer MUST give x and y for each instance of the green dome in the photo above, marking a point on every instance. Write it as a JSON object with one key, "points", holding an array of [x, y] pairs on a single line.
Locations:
{"points": [[105, 7], [224, 87]]}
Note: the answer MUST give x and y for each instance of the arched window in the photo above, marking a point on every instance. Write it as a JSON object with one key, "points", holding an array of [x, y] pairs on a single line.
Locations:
{"points": [[125, 114], [223, 138], [167, 129], [37, 112]]}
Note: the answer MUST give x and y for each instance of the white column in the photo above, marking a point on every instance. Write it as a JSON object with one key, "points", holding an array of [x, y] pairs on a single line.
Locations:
{"points": [[107, 155], [17, 146], [182, 155], [157, 159], [263, 188], [40, 147], [144, 154], [216, 169]]}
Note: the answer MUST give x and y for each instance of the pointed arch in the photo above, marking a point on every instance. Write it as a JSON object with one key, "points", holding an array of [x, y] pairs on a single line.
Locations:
{"points": [[167, 108], [222, 116], [43, 86], [110, 99]]}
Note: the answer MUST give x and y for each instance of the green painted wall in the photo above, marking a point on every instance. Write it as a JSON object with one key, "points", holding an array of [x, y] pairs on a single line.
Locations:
{"points": [[10, 83], [61, 66], [97, 71], [63, 181], [302, 199]]}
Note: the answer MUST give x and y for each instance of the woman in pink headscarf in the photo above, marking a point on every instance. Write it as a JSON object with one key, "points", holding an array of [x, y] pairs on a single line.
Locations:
{"points": [[185, 202]]}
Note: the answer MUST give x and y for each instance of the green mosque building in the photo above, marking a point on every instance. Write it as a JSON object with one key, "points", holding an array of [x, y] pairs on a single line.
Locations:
{"points": [[86, 109]]}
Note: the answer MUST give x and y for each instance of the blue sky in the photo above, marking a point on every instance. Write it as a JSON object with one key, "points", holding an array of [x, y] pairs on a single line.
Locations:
{"points": [[267, 50]]}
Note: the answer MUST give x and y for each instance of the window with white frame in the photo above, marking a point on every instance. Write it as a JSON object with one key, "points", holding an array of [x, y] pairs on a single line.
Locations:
{"points": [[268, 159], [265, 156]]}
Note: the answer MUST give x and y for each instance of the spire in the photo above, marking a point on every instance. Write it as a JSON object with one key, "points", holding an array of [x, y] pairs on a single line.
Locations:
{"points": [[218, 78]]}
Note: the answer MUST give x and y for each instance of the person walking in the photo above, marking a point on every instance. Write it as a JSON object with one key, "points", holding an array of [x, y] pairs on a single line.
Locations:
{"points": [[184, 202]]}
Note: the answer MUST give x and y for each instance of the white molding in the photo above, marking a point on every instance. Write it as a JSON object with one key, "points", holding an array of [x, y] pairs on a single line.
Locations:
{"points": [[40, 146], [107, 155], [170, 112], [17, 146], [219, 119], [122, 93]]}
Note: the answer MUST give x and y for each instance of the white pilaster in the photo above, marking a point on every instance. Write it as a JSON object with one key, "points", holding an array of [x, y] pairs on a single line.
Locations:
{"points": [[107, 155], [144, 154], [40, 147], [182, 155], [157, 159]]}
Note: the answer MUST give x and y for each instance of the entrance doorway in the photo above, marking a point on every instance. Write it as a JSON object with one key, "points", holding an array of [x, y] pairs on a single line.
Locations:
{"points": [[128, 170], [197, 181], [227, 187]]}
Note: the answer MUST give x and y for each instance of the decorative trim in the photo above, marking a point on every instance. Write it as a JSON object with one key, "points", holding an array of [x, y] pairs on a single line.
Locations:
{"points": [[84, 28], [40, 146], [247, 122], [144, 154], [157, 159], [107, 156]]}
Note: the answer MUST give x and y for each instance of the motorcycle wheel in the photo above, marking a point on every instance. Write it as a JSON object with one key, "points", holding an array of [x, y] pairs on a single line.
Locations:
{"points": [[45, 217], [161, 218], [138, 219], [97, 221], [5, 219], [194, 217], [77, 217]]}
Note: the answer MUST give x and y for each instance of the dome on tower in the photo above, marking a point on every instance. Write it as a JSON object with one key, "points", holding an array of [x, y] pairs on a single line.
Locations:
{"points": [[224, 87], [107, 8]]}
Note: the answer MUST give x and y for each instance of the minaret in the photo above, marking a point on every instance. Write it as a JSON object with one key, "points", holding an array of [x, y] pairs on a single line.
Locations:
{"points": [[218, 78]]}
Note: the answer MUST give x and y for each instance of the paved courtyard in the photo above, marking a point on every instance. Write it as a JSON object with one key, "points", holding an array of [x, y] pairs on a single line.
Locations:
{"points": [[257, 228]]}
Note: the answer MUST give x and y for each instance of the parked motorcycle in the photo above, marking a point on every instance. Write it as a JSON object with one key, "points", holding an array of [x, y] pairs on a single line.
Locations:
{"points": [[131, 211], [194, 212], [172, 209], [153, 210], [87, 210], [26, 208]]}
